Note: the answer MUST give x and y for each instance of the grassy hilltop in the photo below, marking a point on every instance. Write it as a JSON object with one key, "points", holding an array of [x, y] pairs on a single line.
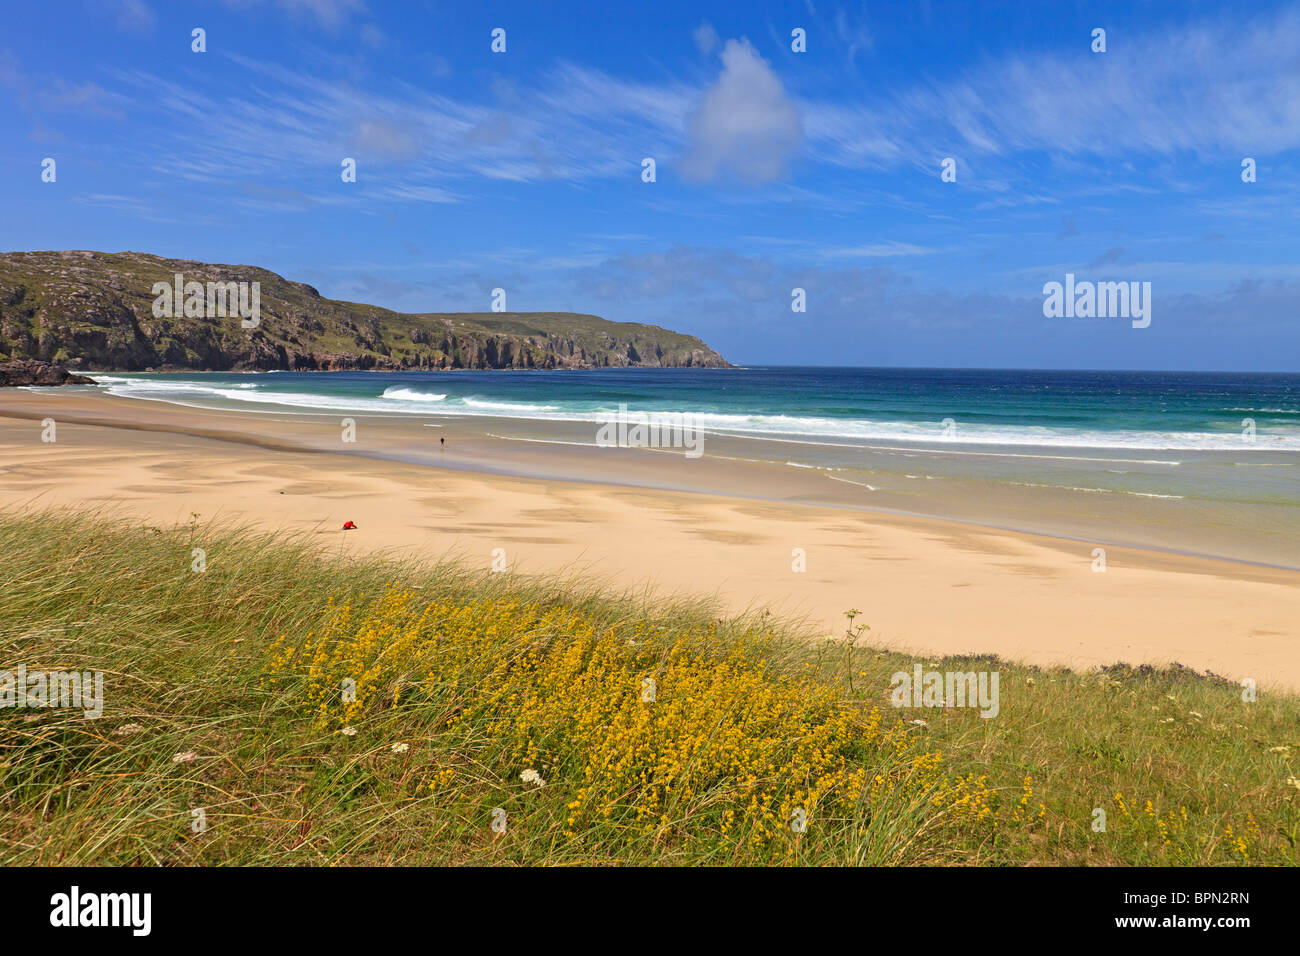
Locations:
{"points": [[93, 311], [229, 734]]}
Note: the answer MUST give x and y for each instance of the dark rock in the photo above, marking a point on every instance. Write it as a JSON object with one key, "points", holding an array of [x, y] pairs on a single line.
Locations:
{"points": [[31, 372]]}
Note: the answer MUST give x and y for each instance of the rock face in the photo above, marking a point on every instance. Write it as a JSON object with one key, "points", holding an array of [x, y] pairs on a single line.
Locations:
{"points": [[28, 372], [94, 311]]}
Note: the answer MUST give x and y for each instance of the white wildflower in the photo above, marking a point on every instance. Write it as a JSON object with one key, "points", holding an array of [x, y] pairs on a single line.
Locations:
{"points": [[531, 776]]}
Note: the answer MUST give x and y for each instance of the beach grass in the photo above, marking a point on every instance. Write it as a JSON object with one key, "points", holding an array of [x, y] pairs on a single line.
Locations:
{"points": [[284, 706]]}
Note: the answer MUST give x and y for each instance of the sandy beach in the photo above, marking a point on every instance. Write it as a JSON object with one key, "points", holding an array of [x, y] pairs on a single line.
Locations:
{"points": [[934, 587]]}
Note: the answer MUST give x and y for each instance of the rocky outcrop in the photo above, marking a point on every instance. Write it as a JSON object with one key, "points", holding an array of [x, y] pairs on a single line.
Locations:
{"points": [[28, 372], [95, 311]]}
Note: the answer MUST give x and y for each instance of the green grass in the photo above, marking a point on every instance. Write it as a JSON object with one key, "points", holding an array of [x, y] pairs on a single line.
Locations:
{"points": [[198, 663]]}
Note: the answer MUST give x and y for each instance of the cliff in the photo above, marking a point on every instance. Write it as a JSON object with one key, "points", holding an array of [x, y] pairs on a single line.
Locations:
{"points": [[94, 311]]}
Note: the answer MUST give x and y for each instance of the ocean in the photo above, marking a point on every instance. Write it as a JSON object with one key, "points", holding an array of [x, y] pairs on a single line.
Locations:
{"points": [[1153, 411]]}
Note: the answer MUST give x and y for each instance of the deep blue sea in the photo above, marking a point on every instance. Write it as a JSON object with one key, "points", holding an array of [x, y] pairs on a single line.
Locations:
{"points": [[1237, 412]]}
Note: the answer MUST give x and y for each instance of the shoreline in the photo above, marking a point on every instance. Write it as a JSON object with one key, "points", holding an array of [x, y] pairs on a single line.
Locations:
{"points": [[935, 585], [1055, 491], [480, 422]]}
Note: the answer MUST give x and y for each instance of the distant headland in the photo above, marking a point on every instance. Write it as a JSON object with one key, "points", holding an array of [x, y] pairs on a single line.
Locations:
{"points": [[100, 311]]}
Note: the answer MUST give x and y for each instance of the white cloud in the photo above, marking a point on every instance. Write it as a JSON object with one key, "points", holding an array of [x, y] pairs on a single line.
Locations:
{"points": [[705, 37], [387, 139], [877, 250], [420, 194], [53, 94], [744, 124], [855, 37], [330, 14], [1212, 90], [1207, 88], [572, 123], [134, 16]]}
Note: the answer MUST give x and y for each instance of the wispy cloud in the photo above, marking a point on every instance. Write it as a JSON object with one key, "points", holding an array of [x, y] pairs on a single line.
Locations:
{"points": [[133, 16], [877, 250], [54, 94], [330, 14], [1208, 88]]}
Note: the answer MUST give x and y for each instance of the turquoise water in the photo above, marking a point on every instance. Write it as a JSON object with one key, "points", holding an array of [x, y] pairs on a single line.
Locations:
{"points": [[1155, 411]]}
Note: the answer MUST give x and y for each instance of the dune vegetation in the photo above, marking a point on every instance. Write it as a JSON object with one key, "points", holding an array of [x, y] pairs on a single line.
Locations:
{"points": [[268, 703]]}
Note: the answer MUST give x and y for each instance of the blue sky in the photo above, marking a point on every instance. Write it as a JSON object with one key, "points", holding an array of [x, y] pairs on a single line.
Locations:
{"points": [[775, 169]]}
